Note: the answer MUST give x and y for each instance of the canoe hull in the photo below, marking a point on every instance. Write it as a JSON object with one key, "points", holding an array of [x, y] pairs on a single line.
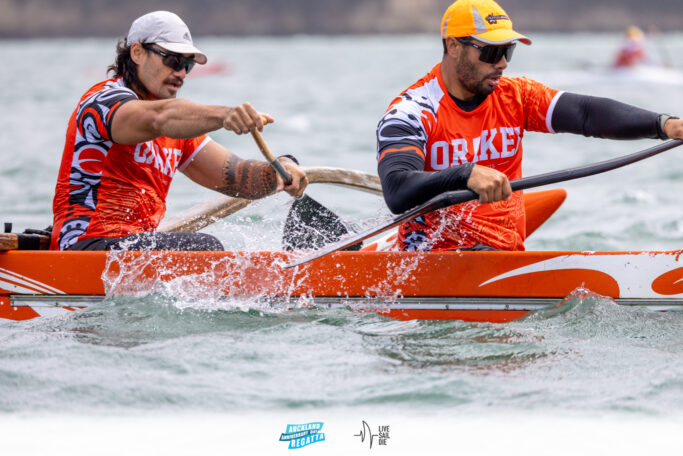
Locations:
{"points": [[473, 286]]}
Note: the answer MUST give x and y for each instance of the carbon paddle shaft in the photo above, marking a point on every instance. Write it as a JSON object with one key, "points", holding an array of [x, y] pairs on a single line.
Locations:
{"points": [[460, 196]]}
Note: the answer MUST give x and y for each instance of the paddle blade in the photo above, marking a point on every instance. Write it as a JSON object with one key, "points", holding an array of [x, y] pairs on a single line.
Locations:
{"points": [[310, 225], [349, 242]]}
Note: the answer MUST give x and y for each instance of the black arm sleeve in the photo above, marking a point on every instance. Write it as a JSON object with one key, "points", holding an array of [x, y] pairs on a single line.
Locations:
{"points": [[405, 184], [604, 118]]}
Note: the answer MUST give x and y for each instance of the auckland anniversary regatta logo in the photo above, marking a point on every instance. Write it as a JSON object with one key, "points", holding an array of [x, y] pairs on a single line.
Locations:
{"points": [[301, 435]]}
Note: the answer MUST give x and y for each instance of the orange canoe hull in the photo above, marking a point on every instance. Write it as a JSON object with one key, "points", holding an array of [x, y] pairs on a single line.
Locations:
{"points": [[476, 286]]}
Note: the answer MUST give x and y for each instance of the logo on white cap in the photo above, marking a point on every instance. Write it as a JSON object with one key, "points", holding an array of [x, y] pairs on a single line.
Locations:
{"points": [[167, 30]]}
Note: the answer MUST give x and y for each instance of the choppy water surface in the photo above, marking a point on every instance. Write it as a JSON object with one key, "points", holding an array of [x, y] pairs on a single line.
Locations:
{"points": [[182, 350], [159, 352]]}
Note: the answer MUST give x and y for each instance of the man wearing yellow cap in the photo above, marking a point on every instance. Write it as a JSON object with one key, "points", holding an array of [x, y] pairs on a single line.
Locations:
{"points": [[461, 126]]}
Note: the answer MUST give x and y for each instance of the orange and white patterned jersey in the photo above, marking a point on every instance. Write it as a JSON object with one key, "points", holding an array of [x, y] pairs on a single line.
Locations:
{"points": [[105, 189], [425, 120]]}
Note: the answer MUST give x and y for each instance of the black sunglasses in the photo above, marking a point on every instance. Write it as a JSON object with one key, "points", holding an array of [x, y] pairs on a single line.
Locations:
{"points": [[174, 61], [491, 54]]}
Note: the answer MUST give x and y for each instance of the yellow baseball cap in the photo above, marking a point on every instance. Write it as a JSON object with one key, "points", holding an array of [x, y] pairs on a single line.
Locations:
{"points": [[484, 20]]}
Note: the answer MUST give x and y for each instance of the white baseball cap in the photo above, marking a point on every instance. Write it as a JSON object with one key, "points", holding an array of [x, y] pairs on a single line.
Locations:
{"points": [[167, 30]]}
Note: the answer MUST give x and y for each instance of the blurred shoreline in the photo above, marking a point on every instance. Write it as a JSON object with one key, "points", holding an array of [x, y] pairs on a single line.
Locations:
{"points": [[95, 18]]}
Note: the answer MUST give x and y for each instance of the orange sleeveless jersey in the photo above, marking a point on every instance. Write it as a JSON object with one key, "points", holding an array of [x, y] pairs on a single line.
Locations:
{"points": [[106, 189], [444, 135]]}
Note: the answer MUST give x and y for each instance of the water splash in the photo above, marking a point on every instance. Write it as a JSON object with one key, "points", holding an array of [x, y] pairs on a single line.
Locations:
{"points": [[585, 314], [225, 283]]}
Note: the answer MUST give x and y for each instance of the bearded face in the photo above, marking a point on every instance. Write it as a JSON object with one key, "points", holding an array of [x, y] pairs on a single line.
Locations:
{"points": [[475, 76]]}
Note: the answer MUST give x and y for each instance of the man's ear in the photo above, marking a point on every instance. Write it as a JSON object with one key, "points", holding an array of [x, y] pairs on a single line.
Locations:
{"points": [[137, 52], [452, 46]]}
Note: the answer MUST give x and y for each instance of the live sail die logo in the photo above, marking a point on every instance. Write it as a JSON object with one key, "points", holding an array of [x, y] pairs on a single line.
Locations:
{"points": [[366, 433], [301, 435]]}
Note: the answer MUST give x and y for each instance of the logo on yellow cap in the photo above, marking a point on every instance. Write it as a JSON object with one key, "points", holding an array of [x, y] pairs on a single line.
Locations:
{"points": [[491, 19]]}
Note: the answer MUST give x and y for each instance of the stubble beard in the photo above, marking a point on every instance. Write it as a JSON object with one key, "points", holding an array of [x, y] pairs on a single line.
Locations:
{"points": [[472, 79]]}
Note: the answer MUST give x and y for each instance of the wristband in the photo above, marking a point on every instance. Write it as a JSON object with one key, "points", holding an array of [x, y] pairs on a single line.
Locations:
{"points": [[660, 125], [291, 157]]}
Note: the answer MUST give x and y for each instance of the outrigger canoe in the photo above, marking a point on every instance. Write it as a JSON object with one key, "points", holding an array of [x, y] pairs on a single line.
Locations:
{"points": [[472, 286]]}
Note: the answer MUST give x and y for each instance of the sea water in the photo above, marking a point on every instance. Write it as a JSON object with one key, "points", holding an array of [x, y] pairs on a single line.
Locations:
{"points": [[180, 370]]}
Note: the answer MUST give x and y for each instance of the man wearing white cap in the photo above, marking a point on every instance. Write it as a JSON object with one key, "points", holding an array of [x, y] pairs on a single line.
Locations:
{"points": [[129, 135], [461, 126]]}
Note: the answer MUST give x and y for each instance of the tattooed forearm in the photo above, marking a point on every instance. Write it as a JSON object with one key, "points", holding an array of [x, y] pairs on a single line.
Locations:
{"points": [[250, 179]]}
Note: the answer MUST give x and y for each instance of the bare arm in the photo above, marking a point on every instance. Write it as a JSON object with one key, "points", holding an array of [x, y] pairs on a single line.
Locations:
{"points": [[140, 120], [217, 168]]}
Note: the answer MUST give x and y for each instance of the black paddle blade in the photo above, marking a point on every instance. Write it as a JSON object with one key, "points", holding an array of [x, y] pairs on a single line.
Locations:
{"points": [[310, 225]]}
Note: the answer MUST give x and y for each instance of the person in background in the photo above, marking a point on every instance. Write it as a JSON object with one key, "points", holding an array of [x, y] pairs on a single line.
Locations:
{"points": [[461, 126], [633, 51], [129, 136]]}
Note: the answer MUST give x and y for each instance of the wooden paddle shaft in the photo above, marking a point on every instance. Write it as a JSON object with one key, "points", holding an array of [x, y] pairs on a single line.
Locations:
{"points": [[277, 166]]}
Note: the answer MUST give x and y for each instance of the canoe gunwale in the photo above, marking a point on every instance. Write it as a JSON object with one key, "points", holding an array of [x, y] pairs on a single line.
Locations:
{"points": [[398, 303]]}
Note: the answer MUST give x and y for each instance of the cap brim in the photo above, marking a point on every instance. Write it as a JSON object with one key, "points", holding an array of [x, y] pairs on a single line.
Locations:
{"points": [[184, 48], [501, 36]]}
